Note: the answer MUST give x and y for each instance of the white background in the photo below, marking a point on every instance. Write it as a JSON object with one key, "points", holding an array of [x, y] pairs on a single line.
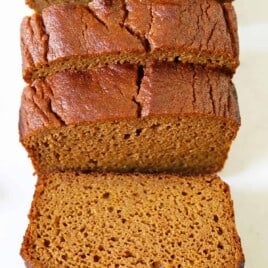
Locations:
{"points": [[246, 169]]}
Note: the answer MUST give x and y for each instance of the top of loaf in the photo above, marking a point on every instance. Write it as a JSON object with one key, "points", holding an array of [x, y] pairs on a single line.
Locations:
{"points": [[71, 98], [39, 5], [107, 32]]}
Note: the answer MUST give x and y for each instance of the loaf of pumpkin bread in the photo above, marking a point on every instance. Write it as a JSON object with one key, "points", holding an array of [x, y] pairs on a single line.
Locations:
{"points": [[169, 117], [72, 36], [131, 220]]}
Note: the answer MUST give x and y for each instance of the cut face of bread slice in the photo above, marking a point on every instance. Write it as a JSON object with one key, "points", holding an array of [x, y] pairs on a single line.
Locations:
{"points": [[131, 220], [175, 117], [71, 36]]}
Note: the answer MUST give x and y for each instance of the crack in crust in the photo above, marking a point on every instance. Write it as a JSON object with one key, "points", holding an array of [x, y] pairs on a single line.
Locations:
{"points": [[211, 92], [34, 42], [45, 38], [194, 84], [124, 5], [142, 38], [91, 11], [50, 95], [42, 98], [140, 75], [39, 5]]}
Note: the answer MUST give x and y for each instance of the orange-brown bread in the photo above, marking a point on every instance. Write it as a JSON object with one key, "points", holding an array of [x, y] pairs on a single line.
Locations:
{"points": [[131, 220], [175, 117], [72, 36], [39, 5]]}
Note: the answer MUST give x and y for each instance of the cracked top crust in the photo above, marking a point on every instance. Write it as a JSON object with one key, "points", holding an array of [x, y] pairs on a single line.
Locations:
{"points": [[172, 88], [107, 32], [117, 92], [76, 97], [39, 5]]}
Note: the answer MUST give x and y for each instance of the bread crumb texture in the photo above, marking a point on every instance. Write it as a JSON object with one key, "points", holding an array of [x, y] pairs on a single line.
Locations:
{"points": [[132, 220]]}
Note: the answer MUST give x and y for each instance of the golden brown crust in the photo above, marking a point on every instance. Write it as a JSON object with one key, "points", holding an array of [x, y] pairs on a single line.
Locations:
{"points": [[172, 88], [69, 205], [201, 31], [39, 5]]}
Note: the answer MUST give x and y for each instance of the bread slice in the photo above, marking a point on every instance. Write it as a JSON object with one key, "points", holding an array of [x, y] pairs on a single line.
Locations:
{"points": [[131, 220], [72, 36], [176, 117]]}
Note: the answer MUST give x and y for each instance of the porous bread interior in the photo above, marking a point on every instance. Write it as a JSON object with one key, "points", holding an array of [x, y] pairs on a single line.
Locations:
{"points": [[188, 145], [88, 62], [132, 221]]}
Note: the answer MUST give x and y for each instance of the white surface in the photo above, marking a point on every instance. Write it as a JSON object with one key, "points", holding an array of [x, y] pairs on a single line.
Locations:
{"points": [[246, 169]]}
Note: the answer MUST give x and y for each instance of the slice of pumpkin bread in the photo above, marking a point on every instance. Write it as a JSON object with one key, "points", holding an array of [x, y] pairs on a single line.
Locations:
{"points": [[174, 117], [131, 220]]}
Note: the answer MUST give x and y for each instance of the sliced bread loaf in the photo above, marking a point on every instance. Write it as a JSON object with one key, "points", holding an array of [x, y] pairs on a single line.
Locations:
{"points": [[107, 220], [71, 36], [177, 117]]}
